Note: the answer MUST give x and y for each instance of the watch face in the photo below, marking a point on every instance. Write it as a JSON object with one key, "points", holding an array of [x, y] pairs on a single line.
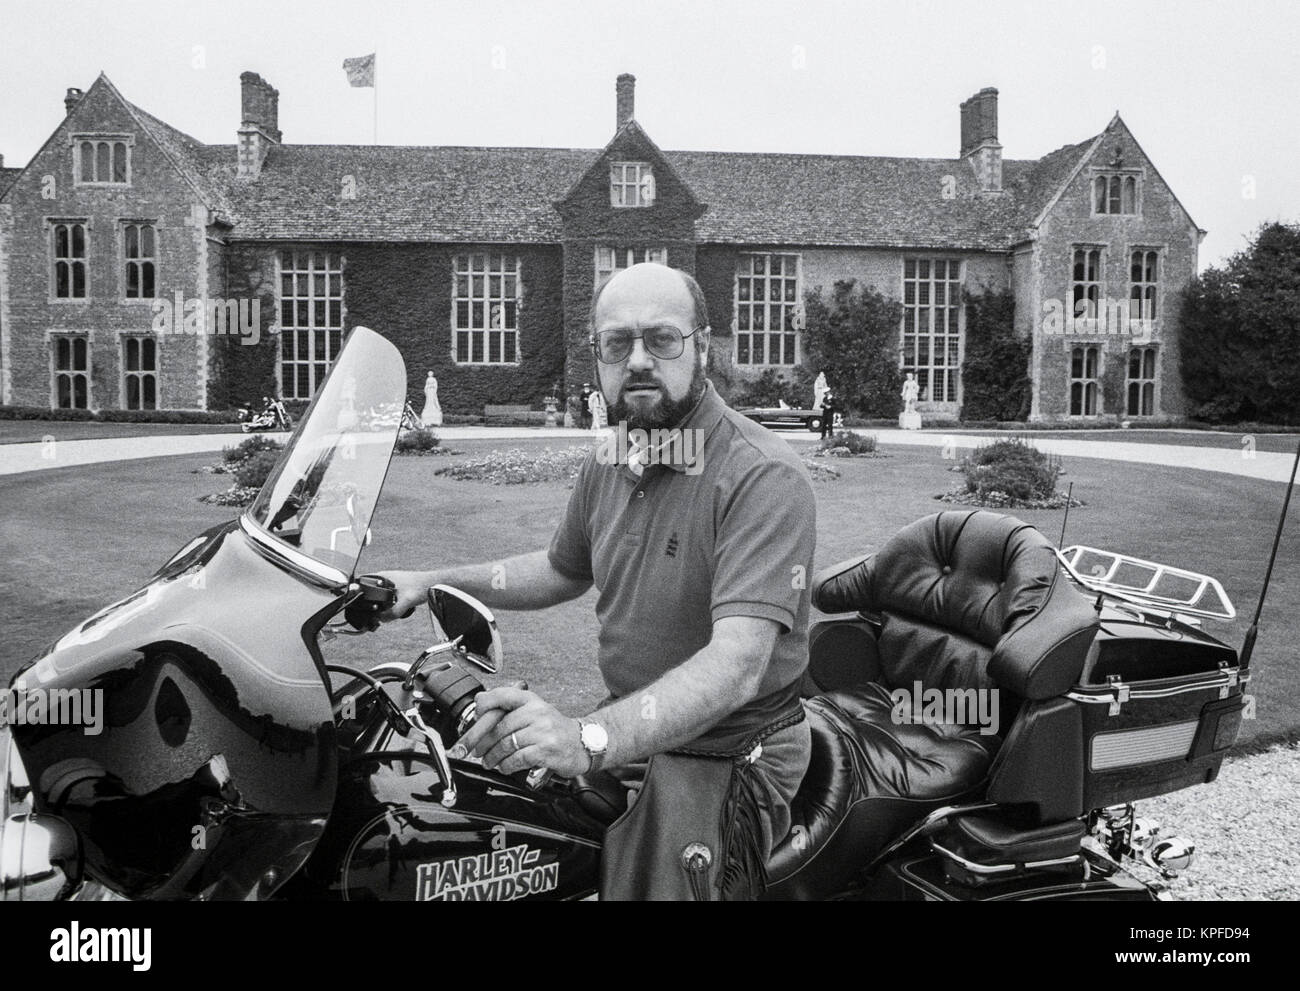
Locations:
{"points": [[594, 737]]}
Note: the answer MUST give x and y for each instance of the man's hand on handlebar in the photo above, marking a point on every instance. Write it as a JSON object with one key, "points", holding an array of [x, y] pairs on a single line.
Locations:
{"points": [[516, 730], [412, 592]]}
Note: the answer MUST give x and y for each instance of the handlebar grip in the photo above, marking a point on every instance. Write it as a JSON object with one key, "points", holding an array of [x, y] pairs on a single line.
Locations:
{"points": [[376, 594]]}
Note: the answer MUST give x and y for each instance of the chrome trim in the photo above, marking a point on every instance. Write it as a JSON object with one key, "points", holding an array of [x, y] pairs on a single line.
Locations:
{"points": [[303, 564], [928, 824], [1145, 595], [33, 850], [975, 868], [1117, 692], [1141, 745]]}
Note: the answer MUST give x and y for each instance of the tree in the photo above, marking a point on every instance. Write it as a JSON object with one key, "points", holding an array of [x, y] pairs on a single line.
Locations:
{"points": [[1239, 333], [995, 370], [852, 336]]}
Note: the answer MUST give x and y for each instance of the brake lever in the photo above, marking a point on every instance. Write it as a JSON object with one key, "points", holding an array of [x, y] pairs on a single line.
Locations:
{"points": [[439, 752]]}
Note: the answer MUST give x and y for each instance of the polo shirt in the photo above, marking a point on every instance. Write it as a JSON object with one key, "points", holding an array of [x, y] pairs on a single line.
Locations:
{"points": [[676, 547]]}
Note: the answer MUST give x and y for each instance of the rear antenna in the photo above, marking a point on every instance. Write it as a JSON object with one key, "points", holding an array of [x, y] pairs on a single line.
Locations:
{"points": [[1065, 519], [1248, 647]]}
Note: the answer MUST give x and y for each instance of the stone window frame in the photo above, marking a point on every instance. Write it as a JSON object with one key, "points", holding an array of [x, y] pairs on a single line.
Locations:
{"points": [[791, 309], [1090, 384], [124, 373], [52, 339], [1088, 324], [641, 185], [1143, 323], [931, 332], [124, 262], [1123, 187], [603, 272], [495, 305], [97, 138], [290, 332], [52, 224], [1148, 386]]}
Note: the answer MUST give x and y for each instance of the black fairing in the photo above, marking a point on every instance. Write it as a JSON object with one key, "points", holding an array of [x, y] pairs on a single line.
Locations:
{"points": [[216, 766]]}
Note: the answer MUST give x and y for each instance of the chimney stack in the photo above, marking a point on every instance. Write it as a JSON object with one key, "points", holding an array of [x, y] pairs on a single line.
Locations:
{"points": [[259, 122], [979, 138], [71, 100], [625, 89]]}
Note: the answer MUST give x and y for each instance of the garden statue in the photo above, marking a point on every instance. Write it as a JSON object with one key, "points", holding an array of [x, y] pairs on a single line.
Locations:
{"points": [[910, 419], [819, 390], [551, 404], [596, 404], [432, 415]]}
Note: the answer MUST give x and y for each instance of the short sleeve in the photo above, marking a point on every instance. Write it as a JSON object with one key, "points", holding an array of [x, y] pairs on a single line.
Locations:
{"points": [[764, 545], [570, 550]]}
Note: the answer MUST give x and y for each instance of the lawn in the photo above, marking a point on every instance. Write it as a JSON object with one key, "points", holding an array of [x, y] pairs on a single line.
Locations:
{"points": [[75, 539], [35, 431]]}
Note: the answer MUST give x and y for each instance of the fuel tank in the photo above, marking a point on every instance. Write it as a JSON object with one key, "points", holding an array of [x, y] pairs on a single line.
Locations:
{"points": [[391, 839], [201, 762]]}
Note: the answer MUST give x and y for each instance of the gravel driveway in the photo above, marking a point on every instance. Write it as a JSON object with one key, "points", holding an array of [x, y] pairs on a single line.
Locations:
{"points": [[1246, 827]]}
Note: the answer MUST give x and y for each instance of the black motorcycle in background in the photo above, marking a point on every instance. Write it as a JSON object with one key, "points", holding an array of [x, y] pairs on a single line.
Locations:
{"points": [[272, 416], [234, 761]]}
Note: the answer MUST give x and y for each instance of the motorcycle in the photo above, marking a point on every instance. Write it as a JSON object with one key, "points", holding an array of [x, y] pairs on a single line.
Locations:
{"points": [[232, 761], [272, 417]]}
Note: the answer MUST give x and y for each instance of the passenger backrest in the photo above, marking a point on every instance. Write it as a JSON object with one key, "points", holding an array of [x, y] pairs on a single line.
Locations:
{"points": [[969, 599]]}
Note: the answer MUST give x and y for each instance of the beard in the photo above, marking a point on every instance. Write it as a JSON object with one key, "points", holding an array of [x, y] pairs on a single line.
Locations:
{"points": [[665, 413]]}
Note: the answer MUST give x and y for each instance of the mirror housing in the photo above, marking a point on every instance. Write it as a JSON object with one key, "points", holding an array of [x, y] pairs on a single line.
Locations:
{"points": [[459, 616]]}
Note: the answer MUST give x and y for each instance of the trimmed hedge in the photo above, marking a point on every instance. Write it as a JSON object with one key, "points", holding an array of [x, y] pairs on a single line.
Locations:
{"points": [[119, 415], [1013, 468]]}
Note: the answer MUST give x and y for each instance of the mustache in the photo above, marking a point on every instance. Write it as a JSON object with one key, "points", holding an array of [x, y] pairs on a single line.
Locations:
{"points": [[633, 383]]}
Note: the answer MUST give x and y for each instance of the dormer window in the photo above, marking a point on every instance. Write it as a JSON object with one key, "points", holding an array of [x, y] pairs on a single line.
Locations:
{"points": [[1115, 194], [631, 184], [102, 160]]}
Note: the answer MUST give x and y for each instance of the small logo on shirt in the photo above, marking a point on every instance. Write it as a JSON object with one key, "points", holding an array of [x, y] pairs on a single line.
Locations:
{"points": [[672, 545]]}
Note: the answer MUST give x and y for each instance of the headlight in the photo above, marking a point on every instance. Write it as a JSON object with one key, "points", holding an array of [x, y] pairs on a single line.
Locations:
{"points": [[38, 853]]}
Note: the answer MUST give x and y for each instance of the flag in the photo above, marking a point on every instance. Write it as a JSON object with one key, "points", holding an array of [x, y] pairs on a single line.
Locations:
{"points": [[360, 70]]}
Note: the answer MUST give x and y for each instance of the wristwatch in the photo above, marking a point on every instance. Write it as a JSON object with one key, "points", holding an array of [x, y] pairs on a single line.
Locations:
{"points": [[595, 741]]}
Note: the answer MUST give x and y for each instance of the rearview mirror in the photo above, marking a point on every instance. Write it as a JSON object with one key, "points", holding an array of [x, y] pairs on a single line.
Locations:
{"points": [[457, 614]]}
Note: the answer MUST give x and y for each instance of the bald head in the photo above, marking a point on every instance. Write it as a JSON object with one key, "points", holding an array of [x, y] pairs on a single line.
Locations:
{"points": [[650, 280]]}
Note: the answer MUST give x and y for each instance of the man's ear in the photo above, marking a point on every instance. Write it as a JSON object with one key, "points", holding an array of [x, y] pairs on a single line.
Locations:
{"points": [[702, 345]]}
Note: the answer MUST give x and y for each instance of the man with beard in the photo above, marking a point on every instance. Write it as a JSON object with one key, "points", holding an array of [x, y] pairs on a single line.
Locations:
{"points": [[703, 612]]}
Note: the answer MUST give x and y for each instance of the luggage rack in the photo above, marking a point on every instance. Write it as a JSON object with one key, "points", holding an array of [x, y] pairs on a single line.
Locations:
{"points": [[1155, 588]]}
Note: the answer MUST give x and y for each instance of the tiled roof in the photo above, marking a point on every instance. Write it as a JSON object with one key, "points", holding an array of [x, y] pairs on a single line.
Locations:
{"points": [[191, 156], [506, 194], [403, 193]]}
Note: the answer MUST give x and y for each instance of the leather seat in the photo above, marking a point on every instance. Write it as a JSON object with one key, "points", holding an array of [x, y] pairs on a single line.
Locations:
{"points": [[965, 600], [869, 779]]}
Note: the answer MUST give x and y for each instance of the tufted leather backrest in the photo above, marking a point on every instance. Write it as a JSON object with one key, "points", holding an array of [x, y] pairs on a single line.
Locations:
{"points": [[969, 599]]}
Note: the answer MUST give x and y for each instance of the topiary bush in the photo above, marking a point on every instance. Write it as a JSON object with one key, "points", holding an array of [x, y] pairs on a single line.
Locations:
{"points": [[1013, 469], [247, 448], [849, 442], [420, 441], [253, 471]]}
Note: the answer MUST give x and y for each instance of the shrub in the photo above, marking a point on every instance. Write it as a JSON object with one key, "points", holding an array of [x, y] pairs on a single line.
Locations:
{"points": [[247, 448], [772, 387], [253, 470], [854, 443], [416, 441], [517, 467], [1014, 469]]}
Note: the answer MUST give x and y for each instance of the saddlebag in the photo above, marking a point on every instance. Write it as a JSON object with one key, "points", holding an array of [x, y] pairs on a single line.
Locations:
{"points": [[980, 850]]}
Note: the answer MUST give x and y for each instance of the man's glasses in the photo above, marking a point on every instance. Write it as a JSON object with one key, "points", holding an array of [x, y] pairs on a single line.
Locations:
{"points": [[613, 346]]}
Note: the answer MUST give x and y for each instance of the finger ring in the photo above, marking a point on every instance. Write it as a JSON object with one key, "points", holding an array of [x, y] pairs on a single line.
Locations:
{"points": [[514, 741]]}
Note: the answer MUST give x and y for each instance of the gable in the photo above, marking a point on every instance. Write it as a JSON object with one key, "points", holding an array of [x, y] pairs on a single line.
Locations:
{"points": [[588, 207]]}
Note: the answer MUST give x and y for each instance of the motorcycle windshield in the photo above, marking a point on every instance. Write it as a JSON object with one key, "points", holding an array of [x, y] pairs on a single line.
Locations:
{"points": [[320, 497]]}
